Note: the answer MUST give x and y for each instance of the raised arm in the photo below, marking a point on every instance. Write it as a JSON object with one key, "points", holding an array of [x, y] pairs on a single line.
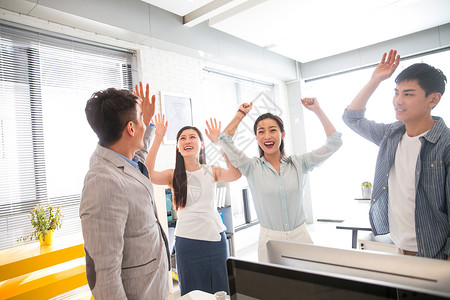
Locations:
{"points": [[226, 175], [220, 174], [164, 177], [383, 71], [147, 105], [240, 114], [313, 105], [148, 109], [213, 130]]}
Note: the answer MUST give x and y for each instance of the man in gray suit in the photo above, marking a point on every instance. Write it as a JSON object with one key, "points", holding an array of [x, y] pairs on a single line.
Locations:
{"points": [[126, 248]]}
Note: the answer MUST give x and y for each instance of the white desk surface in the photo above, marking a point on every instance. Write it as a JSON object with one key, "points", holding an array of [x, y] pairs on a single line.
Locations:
{"points": [[199, 295]]}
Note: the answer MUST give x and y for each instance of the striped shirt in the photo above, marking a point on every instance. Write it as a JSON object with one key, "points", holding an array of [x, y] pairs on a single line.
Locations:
{"points": [[432, 181]]}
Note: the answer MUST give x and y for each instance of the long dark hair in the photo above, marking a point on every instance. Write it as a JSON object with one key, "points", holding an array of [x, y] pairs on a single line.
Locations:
{"points": [[280, 124], [179, 174]]}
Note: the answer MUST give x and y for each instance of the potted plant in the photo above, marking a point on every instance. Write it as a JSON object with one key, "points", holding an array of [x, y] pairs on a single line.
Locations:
{"points": [[45, 219], [366, 189]]}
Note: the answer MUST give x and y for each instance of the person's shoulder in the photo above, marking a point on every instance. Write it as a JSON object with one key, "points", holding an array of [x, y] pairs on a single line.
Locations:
{"points": [[295, 158], [446, 128], [257, 160], [104, 172], [445, 136], [393, 128], [441, 129], [208, 167]]}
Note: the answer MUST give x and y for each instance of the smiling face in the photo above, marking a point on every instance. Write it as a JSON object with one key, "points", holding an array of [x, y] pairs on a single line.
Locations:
{"points": [[411, 103], [269, 136], [189, 143]]}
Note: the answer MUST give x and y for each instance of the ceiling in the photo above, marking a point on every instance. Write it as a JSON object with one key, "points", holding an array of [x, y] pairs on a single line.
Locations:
{"points": [[306, 30]]}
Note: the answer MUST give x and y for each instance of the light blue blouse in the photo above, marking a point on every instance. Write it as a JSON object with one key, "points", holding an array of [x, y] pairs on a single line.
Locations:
{"points": [[278, 199]]}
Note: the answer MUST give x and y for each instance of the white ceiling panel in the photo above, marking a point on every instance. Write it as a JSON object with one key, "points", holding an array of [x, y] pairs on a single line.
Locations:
{"points": [[179, 7], [306, 30]]}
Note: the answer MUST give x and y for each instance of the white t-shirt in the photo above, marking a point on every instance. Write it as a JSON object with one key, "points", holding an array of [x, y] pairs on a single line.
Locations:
{"points": [[200, 220], [402, 193]]}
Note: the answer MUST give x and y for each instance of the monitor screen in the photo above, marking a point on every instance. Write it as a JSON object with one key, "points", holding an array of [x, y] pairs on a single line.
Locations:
{"points": [[168, 201], [406, 274]]}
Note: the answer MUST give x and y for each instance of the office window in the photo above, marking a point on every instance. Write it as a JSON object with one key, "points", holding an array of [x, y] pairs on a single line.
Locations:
{"points": [[333, 192], [45, 140]]}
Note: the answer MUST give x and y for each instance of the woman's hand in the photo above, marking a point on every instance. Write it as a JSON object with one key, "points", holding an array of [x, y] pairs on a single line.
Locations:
{"points": [[213, 130], [161, 125], [311, 103], [147, 105], [245, 108]]}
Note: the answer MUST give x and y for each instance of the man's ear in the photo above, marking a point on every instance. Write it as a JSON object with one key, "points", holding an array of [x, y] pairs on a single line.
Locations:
{"points": [[130, 128], [435, 98]]}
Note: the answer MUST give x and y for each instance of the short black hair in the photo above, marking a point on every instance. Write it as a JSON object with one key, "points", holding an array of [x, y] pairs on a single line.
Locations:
{"points": [[108, 112], [429, 78]]}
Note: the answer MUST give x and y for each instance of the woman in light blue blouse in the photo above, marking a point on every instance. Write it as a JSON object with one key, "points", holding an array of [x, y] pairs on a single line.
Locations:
{"points": [[276, 181]]}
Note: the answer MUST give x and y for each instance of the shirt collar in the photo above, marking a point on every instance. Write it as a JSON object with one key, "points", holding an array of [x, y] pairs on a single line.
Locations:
{"points": [[435, 132], [283, 159], [133, 162]]}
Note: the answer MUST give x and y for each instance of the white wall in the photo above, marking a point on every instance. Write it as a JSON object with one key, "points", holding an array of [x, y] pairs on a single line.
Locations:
{"points": [[137, 22], [172, 72]]}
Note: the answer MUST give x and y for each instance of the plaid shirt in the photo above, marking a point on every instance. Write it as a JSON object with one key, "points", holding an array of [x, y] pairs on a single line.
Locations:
{"points": [[432, 181]]}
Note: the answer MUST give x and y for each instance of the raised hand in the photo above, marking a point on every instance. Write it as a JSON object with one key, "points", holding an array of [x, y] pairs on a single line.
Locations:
{"points": [[311, 103], [213, 131], [245, 108], [161, 125], [386, 67], [147, 105]]}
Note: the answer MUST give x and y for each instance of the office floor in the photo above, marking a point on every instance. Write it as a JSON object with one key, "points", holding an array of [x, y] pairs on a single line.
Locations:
{"points": [[322, 233]]}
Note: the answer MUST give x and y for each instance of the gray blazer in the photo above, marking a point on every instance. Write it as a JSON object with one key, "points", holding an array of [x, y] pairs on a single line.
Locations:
{"points": [[125, 253]]}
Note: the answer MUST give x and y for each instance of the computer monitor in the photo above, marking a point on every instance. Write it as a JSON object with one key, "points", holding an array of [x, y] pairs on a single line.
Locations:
{"points": [[250, 280], [168, 194], [398, 275]]}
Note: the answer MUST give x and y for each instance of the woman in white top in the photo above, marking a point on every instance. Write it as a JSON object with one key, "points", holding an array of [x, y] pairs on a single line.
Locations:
{"points": [[276, 181], [200, 241]]}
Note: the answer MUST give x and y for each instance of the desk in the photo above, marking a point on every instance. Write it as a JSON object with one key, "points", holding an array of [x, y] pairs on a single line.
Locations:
{"points": [[31, 257], [40, 272], [354, 227]]}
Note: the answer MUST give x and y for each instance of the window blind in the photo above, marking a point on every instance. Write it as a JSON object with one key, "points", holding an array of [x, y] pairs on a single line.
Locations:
{"points": [[45, 140]]}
